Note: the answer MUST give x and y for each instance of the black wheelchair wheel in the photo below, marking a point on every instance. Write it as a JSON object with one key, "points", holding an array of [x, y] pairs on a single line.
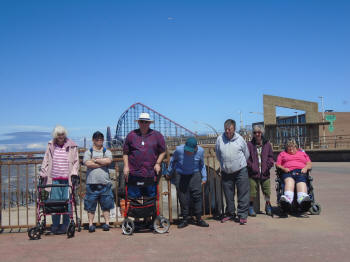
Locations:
{"points": [[34, 233], [128, 226], [161, 225], [71, 230], [315, 209]]}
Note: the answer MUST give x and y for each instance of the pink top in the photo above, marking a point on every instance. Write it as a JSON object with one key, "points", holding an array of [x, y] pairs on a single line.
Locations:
{"points": [[60, 165], [296, 161]]}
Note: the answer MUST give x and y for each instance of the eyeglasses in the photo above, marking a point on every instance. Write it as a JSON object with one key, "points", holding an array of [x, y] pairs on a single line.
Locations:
{"points": [[256, 132], [143, 122]]}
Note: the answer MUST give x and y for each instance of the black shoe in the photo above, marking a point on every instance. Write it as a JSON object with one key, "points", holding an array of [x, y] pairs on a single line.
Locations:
{"points": [[202, 223], [285, 205], [105, 227], [92, 229], [183, 224], [305, 204]]}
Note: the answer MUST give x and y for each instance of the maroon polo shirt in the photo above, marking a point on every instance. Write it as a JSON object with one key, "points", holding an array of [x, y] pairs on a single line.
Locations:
{"points": [[143, 152]]}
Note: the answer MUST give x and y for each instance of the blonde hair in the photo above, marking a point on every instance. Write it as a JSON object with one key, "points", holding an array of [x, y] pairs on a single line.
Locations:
{"points": [[291, 142], [59, 130]]}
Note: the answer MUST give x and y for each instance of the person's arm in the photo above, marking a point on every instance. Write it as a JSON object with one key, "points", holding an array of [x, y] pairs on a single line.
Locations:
{"points": [[203, 168], [307, 167], [279, 164], [308, 164], [159, 162], [106, 161], [45, 164], [92, 164], [172, 164], [76, 164], [270, 160], [250, 159], [126, 151], [126, 166], [245, 150], [162, 151], [88, 162]]}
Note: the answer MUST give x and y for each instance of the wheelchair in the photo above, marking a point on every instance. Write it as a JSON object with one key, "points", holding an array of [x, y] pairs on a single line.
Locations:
{"points": [[314, 209]]}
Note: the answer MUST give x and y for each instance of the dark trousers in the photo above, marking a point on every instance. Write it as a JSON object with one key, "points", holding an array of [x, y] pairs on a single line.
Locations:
{"points": [[190, 188], [240, 180]]}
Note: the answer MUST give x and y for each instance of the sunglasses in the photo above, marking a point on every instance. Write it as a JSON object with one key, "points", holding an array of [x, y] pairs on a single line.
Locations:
{"points": [[256, 132], [144, 122]]}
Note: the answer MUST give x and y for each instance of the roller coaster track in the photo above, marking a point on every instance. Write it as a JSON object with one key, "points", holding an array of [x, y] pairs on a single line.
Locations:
{"points": [[127, 122]]}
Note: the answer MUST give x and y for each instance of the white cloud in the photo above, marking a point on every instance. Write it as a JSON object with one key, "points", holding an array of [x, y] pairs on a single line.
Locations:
{"points": [[19, 128], [4, 137], [36, 146], [3, 148]]}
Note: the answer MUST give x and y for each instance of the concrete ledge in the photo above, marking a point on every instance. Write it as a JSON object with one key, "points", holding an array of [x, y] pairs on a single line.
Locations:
{"points": [[329, 155]]}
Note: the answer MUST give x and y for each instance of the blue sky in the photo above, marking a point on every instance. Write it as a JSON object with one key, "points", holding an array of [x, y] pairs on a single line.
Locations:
{"points": [[82, 63]]}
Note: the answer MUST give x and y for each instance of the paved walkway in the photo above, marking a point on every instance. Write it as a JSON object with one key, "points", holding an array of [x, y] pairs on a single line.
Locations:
{"points": [[315, 238]]}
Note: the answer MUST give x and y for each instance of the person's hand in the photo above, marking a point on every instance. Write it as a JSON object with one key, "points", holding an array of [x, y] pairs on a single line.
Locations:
{"points": [[157, 168], [203, 182], [126, 172], [304, 170], [167, 177], [286, 170]]}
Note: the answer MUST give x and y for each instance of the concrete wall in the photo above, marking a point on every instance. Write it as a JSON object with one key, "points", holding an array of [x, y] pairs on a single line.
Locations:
{"points": [[325, 155], [270, 103]]}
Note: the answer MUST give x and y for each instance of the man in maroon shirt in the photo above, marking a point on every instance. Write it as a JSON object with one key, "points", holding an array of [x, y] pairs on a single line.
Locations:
{"points": [[143, 153]]}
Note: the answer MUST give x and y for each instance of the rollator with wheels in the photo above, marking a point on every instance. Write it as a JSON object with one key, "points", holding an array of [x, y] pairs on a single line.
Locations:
{"points": [[47, 206], [146, 208]]}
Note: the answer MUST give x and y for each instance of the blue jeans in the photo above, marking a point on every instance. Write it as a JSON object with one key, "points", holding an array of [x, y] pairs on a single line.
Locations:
{"points": [[60, 193], [138, 191]]}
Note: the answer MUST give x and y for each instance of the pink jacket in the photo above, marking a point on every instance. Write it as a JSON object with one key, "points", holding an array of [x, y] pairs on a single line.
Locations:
{"points": [[73, 159]]}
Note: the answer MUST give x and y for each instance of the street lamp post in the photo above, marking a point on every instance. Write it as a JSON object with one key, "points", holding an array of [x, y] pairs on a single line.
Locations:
{"points": [[297, 128], [323, 127], [258, 113]]}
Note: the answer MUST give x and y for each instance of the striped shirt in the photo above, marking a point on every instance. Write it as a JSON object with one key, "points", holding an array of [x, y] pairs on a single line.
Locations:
{"points": [[60, 165]]}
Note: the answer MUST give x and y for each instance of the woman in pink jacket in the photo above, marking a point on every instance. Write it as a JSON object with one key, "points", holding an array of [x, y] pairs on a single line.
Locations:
{"points": [[60, 163]]}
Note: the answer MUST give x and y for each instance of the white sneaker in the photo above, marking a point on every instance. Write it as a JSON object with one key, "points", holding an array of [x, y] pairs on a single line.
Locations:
{"points": [[285, 199]]}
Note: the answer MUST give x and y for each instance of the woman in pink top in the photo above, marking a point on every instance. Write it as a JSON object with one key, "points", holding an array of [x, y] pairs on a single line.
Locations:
{"points": [[60, 163], [294, 164]]}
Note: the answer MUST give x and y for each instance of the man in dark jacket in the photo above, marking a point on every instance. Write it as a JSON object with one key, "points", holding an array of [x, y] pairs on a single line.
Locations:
{"points": [[259, 164]]}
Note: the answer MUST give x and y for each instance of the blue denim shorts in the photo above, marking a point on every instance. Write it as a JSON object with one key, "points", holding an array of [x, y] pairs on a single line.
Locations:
{"points": [[98, 193], [296, 175]]}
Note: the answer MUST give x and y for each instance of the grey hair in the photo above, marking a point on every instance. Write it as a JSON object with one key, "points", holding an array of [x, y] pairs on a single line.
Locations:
{"points": [[230, 122], [291, 142], [259, 128], [59, 130]]}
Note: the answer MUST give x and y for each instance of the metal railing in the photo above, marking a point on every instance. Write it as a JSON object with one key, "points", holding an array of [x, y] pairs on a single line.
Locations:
{"points": [[19, 179], [322, 143]]}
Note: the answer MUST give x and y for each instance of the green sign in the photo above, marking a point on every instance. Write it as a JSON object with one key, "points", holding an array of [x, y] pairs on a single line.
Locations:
{"points": [[331, 120]]}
